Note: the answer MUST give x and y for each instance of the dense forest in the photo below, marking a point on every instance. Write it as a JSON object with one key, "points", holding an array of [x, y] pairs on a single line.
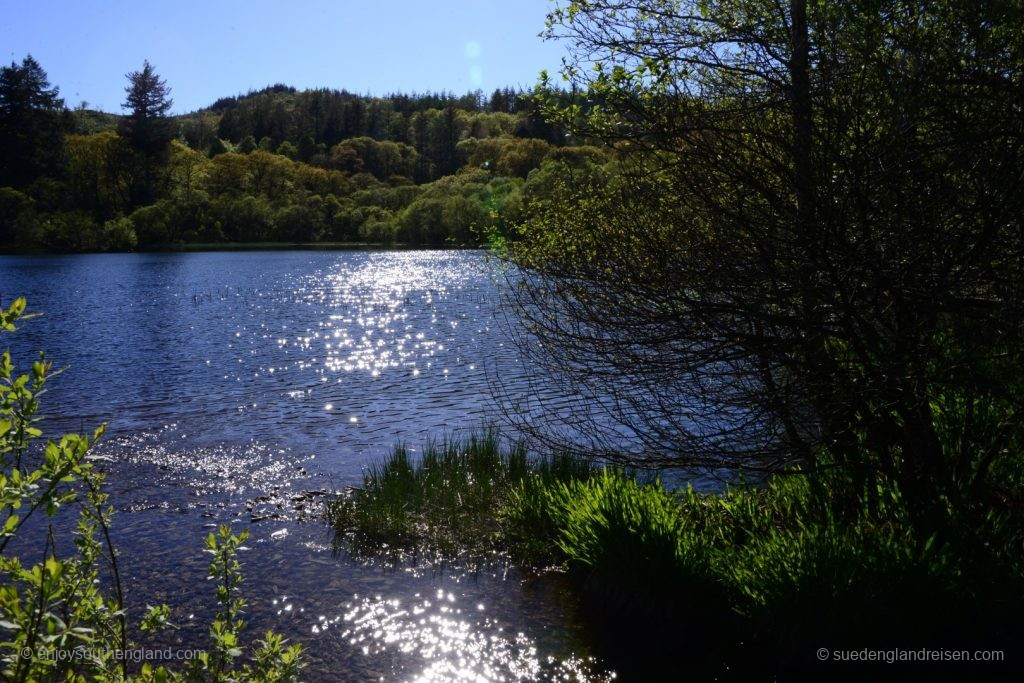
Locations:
{"points": [[272, 166]]}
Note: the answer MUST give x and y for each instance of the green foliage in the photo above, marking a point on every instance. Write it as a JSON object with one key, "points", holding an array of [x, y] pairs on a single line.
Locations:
{"points": [[89, 121], [218, 146], [119, 235], [302, 222], [357, 223], [447, 502], [433, 221], [99, 175], [61, 603], [808, 242], [17, 217], [634, 539], [74, 230], [248, 144], [519, 156], [245, 219], [273, 661], [147, 126], [511, 157], [382, 159], [289, 161]]}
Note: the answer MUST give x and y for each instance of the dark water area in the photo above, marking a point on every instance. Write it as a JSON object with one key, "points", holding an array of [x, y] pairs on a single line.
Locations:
{"points": [[246, 388]]}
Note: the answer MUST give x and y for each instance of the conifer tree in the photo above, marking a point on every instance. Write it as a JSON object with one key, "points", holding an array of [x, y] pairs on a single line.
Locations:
{"points": [[147, 126], [32, 124]]}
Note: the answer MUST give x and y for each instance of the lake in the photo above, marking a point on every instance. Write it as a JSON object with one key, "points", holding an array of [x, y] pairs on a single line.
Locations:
{"points": [[245, 388]]}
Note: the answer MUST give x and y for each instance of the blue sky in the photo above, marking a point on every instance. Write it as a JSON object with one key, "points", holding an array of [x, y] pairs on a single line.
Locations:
{"points": [[206, 50]]}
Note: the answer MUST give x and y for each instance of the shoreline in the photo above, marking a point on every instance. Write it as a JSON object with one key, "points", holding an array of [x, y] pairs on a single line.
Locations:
{"points": [[193, 247]]}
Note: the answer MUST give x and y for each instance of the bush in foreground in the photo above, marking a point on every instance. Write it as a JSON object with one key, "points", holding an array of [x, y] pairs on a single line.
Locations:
{"points": [[64, 618]]}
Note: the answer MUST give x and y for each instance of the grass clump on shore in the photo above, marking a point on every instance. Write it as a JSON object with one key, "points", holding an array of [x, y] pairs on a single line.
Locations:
{"points": [[779, 567], [447, 501], [623, 532]]}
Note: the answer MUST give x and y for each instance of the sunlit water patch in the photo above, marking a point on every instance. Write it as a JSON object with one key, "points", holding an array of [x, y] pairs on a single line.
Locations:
{"points": [[244, 388], [440, 639], [238, 482], [339, 354]]}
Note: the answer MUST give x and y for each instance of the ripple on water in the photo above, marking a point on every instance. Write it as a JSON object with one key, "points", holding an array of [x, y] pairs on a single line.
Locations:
{"points": [[252, 482]]}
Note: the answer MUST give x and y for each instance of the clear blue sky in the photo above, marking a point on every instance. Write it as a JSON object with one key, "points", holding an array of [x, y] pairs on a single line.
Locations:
{"points": [[213, 48]]}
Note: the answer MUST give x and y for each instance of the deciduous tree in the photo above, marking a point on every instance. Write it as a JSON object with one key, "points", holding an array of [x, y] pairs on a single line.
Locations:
{"points": [[815, 244]]}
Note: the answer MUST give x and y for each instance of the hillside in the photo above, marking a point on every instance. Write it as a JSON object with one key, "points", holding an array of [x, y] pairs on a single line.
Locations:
{"points": [[285, 166]]}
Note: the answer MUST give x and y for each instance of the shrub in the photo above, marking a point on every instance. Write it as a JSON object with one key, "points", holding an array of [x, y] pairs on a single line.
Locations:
{"points": [[119, 235]]}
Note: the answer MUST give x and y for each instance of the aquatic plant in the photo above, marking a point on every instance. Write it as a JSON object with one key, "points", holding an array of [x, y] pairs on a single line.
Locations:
{"points": [[448, 501]]}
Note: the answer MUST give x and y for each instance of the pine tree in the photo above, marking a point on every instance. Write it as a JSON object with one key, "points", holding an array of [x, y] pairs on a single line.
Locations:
{"points": [[148, 130], [32, 124], [147, 127]]}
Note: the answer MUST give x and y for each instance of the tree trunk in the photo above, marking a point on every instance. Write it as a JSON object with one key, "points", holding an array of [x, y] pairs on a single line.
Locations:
{"points": [[803, 121]]}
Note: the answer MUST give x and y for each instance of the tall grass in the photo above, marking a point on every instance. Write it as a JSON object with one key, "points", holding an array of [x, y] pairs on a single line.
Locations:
{"points": [[448, 501], [629, 536]]}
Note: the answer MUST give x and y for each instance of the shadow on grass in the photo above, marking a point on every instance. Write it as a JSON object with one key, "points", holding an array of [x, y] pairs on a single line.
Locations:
{"points": [[745, 584]]}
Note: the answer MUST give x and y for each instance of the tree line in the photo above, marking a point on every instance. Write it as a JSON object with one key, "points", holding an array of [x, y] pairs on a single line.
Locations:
{"points": [[276, 165]]}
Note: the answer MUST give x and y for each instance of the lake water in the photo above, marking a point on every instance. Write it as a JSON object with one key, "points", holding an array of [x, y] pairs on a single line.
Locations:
{"points": [[243, 388]]}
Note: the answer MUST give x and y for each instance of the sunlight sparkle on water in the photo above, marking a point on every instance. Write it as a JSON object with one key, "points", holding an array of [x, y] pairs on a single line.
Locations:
{"points": [[391, 313], [441, 643]]}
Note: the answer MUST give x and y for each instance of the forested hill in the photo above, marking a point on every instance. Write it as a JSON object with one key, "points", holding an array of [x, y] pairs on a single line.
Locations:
{"points": [[275, 165], [313, 121]]}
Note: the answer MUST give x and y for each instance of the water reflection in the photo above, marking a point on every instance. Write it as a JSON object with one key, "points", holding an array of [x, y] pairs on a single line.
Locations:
{"points": [[446, 641], [244, 388], [241, 482]]}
